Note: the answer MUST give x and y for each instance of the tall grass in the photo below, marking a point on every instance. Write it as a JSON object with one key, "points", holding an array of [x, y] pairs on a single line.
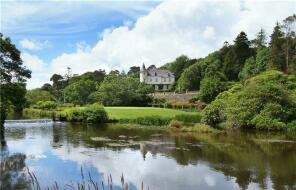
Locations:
{"points": [[86, 183]]}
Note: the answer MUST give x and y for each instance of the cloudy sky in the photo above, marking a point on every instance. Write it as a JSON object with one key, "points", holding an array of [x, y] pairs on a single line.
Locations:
{"points": [[92, 35]]}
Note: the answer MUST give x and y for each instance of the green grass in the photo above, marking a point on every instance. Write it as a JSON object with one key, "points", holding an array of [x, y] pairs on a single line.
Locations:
{"points": [[119, 113]]}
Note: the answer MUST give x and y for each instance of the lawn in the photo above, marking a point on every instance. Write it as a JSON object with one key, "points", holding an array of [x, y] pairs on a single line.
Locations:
{"points": [[135, 112]]}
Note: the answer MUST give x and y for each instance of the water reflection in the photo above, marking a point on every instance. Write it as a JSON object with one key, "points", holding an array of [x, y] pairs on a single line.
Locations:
{"points": [[162, 160]]}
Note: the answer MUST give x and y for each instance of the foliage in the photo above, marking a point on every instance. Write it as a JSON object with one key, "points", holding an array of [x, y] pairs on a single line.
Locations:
{"points": [[199, 128], [176, 124], [188, 118], [79, 92], [211, 86], [118, 90], [46, 105], [13, 76], [268, 103], [134, 72], [36, 95], [94, 113], [177, 67], [277, 56], [236, 56]]}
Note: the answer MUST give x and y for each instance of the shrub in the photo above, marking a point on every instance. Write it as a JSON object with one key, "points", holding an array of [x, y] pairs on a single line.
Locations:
{"points": [[45, 105], [265, 101], [199, 128], [94, 113], [176, 124], [188, 118]]}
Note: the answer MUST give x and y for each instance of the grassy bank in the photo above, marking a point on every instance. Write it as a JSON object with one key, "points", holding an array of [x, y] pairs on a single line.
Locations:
{"points": [[136, 112], [150, 116]]}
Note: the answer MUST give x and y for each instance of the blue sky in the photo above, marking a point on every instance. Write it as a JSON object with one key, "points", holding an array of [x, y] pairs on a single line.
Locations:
{"points": [[58, 26], [90, 35]]}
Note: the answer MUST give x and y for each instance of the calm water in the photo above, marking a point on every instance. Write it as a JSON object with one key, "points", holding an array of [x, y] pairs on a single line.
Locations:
{"points": [[162, 160]]}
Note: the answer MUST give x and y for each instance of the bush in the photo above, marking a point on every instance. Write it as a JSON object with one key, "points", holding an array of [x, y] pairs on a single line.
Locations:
{"points": [[188, 118], [45, 105], [94, 113], [176, 124], [199, 128], [265, 101]]}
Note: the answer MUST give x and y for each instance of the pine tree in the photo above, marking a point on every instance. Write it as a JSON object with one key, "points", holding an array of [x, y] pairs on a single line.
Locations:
{"points": [[236, 56], [260, 40], [277, 56]]}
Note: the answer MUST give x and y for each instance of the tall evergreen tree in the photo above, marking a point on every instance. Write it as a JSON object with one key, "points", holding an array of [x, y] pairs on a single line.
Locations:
{"points": [[289, 46], [236, 56], [277, 56], [260, 40]]}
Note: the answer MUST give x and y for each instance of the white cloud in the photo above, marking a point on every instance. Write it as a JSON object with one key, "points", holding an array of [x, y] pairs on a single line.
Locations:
{"points": [[41, 72], [194, 28], [33, 44], [209, 32]]}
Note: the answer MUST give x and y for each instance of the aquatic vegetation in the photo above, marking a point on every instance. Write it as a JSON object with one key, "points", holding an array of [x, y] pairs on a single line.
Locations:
{"points": [[87, 182], [176, 124], [200, 128]]}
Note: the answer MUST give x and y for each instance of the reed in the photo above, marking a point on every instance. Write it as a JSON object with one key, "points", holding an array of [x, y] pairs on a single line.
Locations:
{"points": [[86, 183]]}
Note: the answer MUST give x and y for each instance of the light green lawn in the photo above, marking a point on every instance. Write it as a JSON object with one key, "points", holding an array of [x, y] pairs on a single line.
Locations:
{"points": [[135, 112]]}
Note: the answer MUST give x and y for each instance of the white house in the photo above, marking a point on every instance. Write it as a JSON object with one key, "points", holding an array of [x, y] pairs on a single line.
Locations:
{"points": [[160, 79]]}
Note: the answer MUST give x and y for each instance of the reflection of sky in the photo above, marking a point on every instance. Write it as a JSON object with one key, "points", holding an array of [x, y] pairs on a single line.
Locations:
{"points": [[62, 164]]}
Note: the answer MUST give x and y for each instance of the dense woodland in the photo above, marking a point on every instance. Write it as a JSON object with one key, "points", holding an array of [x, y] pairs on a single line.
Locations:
{"points": [[246, 83]]}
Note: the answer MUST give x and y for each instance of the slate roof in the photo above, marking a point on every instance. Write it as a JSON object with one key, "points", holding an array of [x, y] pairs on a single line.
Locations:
{"points": [[159, 73]]}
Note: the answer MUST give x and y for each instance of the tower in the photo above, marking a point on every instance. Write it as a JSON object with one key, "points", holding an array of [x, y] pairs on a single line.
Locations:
{"points": [[142, 73]]}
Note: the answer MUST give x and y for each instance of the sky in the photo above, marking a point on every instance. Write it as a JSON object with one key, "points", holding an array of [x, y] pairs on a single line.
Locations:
{"points": [[91, 35]]}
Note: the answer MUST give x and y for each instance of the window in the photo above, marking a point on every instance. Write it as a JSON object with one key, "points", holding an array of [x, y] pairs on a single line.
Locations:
{"points": [[156, 80]]}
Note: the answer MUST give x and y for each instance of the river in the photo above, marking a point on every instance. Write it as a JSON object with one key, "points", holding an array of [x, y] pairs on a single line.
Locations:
{"points": [[161, 159]]}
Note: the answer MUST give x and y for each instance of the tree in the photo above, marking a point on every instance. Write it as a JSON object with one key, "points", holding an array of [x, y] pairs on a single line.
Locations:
{"points": [[255, 65], [277, 56], [36, 95], [117, 90], [79, 92], [134, 71], [236, 56], [289, 26], [260, 40], [58, 84], [211, 86], [178, 66], [13, 76]]}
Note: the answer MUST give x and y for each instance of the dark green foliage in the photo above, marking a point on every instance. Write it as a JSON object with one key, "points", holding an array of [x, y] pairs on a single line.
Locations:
{"points": [[266, 101], [235, 58], [178, 66], [79, 92], [134, 72], [13, 76], [190, 78], [118, 90], [277, 56], [95, 76], [211, 86]]}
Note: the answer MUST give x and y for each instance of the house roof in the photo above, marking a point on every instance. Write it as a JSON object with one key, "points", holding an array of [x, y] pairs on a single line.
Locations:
{"points": [[159, 72]]}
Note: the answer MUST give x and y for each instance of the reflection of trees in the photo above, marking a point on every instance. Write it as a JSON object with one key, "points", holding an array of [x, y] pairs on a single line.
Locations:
{"points": [[236, 155], [11, 167], [244, 158]]}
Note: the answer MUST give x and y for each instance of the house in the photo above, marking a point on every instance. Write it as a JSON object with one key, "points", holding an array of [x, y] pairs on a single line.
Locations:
{"points": [[160, 79]]}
